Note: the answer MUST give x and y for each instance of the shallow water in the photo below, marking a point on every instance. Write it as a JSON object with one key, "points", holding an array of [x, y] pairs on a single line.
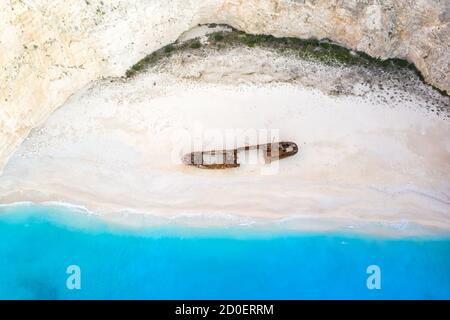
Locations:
{"points": [[38, 243]]}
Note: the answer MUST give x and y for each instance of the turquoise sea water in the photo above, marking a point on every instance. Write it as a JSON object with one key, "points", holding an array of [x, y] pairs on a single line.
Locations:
{"points": [[38, 243]]}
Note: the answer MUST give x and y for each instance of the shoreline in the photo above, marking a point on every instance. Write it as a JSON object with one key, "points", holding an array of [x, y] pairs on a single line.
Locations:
{"points": [[145, 224], [153, 258]]}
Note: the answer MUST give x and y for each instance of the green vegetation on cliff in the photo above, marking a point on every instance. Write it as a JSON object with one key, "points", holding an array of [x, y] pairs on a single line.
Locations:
{"points": [[322, 51]]}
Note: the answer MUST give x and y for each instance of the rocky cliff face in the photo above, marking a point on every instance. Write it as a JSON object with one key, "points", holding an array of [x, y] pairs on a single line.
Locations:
{"points": [[50, 49]]}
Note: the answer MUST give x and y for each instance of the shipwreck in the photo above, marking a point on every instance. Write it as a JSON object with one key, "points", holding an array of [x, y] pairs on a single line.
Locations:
{"points": [[223, 159]]}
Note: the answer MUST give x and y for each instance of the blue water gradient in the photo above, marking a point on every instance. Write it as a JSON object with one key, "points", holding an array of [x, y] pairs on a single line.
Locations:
{"points": [[38, 243]]}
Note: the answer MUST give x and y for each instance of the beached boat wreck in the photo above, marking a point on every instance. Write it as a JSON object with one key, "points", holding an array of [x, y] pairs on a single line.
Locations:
{"points": [[223, 159]]}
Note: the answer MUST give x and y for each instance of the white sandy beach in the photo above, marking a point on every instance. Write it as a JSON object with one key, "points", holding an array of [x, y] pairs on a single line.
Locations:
{"points": [[364, 162]]}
